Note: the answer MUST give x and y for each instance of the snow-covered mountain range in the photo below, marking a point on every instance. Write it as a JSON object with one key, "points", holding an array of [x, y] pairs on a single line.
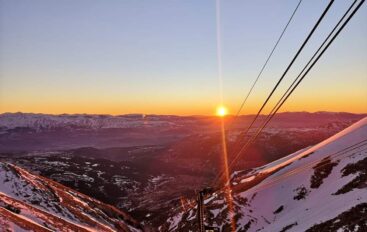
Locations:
{"points": [[320, 188], [78, 121], [29, 202], [31, 132], [41, 122]]}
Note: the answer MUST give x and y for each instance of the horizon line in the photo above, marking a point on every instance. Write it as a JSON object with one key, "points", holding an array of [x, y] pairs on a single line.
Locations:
{"points": [[178, 115]]}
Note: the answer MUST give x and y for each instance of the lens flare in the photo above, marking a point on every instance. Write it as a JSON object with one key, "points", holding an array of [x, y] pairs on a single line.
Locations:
{"points": [[227, 181]]}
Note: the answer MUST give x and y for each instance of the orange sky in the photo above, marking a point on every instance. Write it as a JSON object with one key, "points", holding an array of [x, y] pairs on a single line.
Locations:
{"points": [[159, 58]]}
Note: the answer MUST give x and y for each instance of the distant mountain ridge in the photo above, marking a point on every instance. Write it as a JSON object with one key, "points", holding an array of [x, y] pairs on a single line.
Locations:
{"points": [[94, 121], [78, 121], [30, 132]]}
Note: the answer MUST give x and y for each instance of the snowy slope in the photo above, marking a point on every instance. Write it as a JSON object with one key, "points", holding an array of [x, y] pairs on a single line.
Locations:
{"points": [[32, 202], [321, 188]]}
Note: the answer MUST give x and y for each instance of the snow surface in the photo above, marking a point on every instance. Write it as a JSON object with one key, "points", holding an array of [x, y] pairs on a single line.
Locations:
{"points": [[271, 204], [42, 202]]}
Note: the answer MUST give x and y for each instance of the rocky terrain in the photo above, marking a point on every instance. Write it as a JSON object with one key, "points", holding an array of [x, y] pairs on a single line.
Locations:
{"points": [[30, 202]]}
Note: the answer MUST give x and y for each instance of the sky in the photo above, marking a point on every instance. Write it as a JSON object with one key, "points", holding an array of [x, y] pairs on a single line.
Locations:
{"points": [[160, 57]]}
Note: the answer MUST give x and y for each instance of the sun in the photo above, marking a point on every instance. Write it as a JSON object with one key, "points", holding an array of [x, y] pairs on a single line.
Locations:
{"points": [[221, 111]]}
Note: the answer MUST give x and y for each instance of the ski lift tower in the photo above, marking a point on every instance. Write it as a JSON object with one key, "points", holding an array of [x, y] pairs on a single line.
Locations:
{"points": [[200, 214]]}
